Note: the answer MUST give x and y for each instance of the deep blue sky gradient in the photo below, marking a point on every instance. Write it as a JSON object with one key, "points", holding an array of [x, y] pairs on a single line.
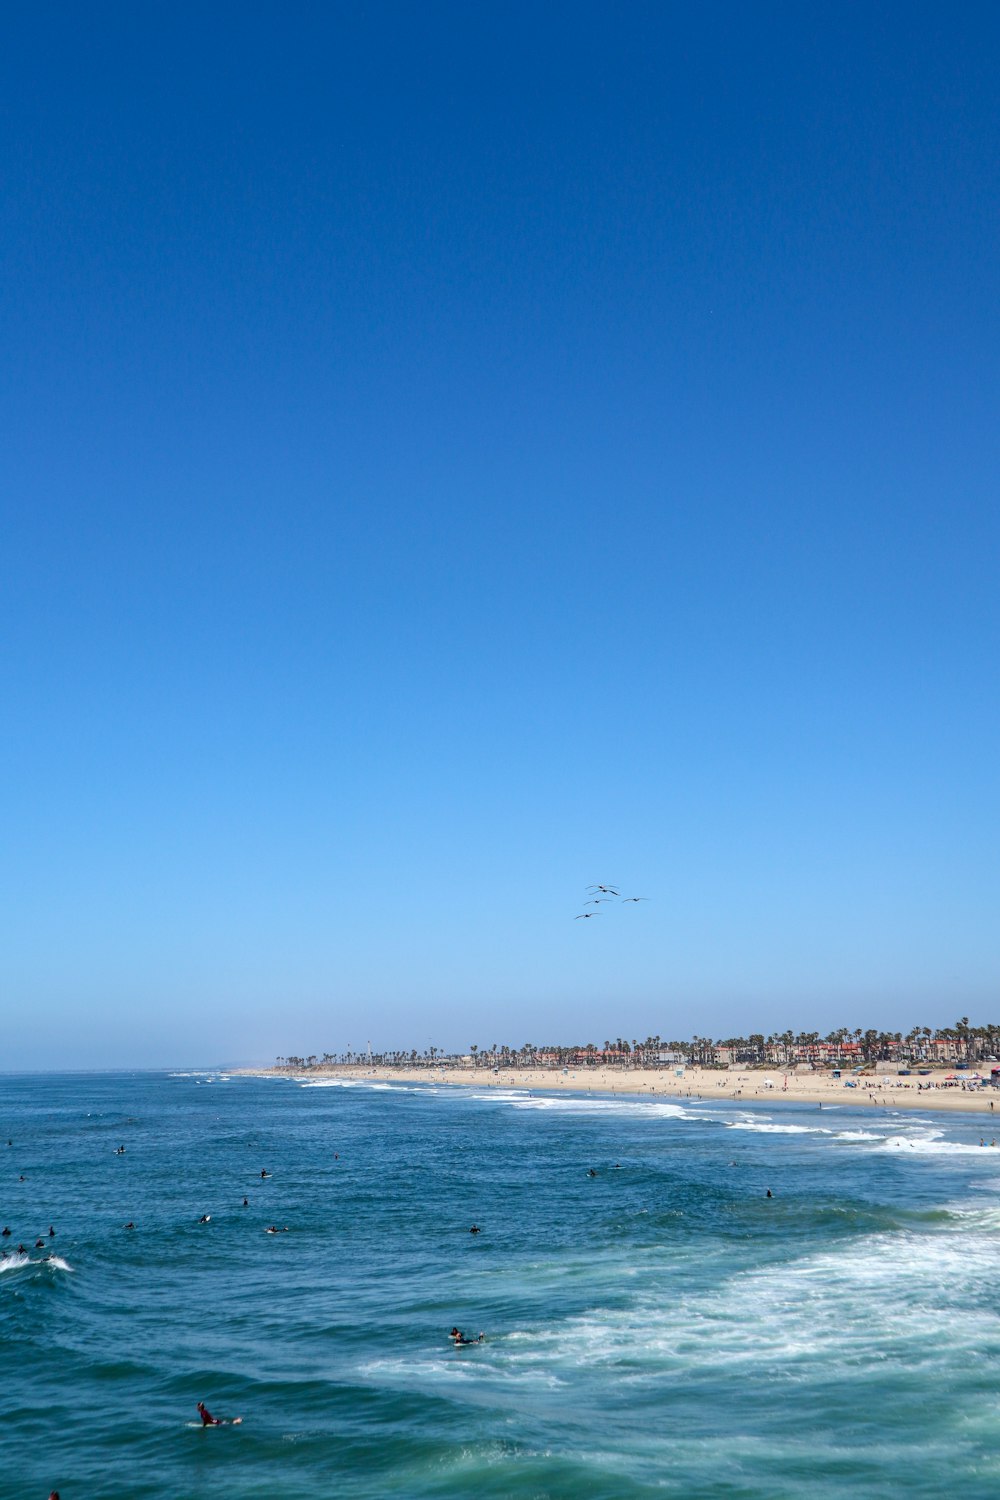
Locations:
{"points": [[454, 454]]}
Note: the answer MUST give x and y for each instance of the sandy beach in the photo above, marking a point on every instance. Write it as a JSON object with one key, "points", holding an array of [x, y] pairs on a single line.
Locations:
{"points": [[876, 1091]]}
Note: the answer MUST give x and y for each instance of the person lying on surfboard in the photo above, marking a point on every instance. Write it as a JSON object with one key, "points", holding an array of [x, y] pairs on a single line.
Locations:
{"points": [[207, 1420], [458, 1337]]}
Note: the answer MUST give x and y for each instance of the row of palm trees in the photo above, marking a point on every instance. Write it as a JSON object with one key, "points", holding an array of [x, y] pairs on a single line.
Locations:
{"points": [[845, 1043]]}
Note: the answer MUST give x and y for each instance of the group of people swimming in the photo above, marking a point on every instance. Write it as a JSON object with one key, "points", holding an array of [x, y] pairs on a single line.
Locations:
{"points": [[40, 1243]]}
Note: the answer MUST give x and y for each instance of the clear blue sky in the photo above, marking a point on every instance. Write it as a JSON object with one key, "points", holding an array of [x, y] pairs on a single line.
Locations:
{"points": [[452, 454]]}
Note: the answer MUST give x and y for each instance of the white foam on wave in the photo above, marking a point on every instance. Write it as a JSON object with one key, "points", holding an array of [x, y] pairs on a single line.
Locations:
{"points": [[333, 1083], [931, 1143], [371, 1084], [453, 1368], [631, 1108], [50, 1262], [881, 1302]]}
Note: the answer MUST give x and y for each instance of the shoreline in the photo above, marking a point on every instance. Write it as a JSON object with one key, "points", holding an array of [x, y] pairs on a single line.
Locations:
{"points": [[875, 1091]]}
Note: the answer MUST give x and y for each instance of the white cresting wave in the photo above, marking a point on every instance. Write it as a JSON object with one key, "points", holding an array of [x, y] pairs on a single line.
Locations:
{"points": [[49, 1262], [879, 1304], [915, 1137]]}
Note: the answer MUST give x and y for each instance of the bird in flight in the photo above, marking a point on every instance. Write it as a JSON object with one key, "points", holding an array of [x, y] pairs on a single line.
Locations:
{"points": [[605, 890], [582, 917], [598, 901], [634, 898]]}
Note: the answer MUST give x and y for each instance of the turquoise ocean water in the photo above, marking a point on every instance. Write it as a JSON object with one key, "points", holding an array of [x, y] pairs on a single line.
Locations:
{"points": [[659, 1329]]}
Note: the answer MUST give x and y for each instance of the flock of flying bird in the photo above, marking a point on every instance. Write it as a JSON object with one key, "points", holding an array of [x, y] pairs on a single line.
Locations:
{"points": [[601, 895]]}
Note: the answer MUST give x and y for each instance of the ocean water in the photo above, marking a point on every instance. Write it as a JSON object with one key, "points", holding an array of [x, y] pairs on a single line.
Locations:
{"points": [[661, 1328]]}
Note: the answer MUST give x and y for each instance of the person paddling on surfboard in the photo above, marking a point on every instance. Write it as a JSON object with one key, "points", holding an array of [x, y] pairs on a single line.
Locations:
{"points": [[458, 1337], [207, 1420]]}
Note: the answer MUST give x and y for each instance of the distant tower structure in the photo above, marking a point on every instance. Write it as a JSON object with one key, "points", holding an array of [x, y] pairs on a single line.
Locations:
{"points": [[369, 1052]]}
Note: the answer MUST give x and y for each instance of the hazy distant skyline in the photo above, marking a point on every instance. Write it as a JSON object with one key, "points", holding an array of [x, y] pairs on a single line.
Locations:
{"points": [[454, 456]]}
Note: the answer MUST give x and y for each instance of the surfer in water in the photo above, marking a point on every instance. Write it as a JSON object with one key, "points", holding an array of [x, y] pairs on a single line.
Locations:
{"points": [[207, 1420]]}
